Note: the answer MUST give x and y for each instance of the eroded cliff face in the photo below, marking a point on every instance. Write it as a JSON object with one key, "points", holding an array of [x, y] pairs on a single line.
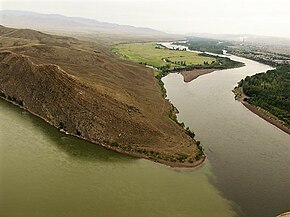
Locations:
{"points": [[94, 95]]}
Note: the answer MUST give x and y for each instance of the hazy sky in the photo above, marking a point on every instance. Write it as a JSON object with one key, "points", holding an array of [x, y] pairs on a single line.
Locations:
{"points": [[262, 17]]}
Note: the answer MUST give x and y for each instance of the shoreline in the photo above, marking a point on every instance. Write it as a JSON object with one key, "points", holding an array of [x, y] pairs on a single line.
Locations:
{"points": [[284, 214], [170, 164], [262, 113], [189, 76]]}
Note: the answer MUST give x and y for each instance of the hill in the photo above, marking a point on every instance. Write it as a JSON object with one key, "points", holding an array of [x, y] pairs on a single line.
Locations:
{"points": [[80, 27], [85, 90]]}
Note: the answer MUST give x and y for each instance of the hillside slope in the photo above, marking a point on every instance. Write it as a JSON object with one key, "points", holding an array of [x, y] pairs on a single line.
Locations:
{"points": [[87, 91]]}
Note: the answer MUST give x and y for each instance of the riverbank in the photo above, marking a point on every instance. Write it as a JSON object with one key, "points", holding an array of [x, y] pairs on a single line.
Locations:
{"points": [[97, 105], [128, 150], [188, 76], [286, 214], [267, 116]]}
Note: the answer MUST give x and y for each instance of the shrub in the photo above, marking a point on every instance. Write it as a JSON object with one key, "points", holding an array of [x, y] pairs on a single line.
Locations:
{"points": [[2, 94], [78, 133], [190, 133], [115, 144], [61, 126]]}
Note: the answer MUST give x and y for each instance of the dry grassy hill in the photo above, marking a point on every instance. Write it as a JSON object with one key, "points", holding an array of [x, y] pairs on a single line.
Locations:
{"points": [[86, 90]]}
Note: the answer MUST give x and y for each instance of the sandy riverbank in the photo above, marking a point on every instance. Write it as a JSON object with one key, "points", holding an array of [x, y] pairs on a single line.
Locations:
{"points": [[240, 96], [191, 75]]}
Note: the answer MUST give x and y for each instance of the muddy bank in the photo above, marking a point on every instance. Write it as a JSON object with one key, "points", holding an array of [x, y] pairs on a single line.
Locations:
{"points": [[191, 75]]}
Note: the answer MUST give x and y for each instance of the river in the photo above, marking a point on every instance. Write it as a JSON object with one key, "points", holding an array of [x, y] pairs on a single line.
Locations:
{"points": [[44, 172], [250, 157]]}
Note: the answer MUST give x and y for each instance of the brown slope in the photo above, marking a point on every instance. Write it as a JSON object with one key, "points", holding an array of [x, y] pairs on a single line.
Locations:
{"points": [[31, 36], [91, 92], [23, 33]]}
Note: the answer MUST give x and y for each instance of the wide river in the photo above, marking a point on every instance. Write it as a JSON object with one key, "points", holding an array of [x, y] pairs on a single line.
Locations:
{"points": [[46, 173]]}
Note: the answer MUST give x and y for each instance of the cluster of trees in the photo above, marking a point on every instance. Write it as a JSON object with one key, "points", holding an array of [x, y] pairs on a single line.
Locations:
{"points": [[270, 91], [2, 94], [182, 49], [12, 98], [178, 62], [182, 63], [253, 56], [190, 132], [61, 126], [220, 63], [159, 77], [164, 68], [207, 45], [201, 151]]}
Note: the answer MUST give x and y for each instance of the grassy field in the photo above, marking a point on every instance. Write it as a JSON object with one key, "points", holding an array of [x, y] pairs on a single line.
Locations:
{"points": [[158, 56]]}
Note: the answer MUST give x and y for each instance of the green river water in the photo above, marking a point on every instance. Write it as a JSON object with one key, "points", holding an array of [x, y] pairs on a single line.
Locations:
{"points": [[44, 172]]}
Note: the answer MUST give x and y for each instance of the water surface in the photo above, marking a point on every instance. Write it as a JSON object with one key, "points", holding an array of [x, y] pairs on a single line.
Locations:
{"points": [[249, 156], [46, 173]]}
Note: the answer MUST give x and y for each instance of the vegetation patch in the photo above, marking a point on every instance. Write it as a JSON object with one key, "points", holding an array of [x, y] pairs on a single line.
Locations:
{"points": [[270, 91], [206, 45], [78, 133], [190, 133], [86, 102], [160, 57], [61, 126], [164, 61], [18, 101], [2, 94]]}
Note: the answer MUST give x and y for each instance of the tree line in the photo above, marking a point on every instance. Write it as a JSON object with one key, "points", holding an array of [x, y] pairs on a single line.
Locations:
{"points": [[270, 91]]}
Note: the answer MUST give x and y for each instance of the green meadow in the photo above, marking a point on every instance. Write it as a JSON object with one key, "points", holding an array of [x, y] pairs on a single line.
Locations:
{"points": [[159, 57]]}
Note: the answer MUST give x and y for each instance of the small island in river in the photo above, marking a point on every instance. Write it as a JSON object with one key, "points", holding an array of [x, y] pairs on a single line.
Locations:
{"points": [[188, 76]]}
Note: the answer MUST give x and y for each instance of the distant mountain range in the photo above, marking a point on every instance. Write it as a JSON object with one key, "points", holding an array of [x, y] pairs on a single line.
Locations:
{"points": [[92, 29], [59, 23]]}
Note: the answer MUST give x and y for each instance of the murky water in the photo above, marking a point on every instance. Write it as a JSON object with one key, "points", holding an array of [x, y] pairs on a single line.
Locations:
{"points": [[250, 157], [46, 173]]}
